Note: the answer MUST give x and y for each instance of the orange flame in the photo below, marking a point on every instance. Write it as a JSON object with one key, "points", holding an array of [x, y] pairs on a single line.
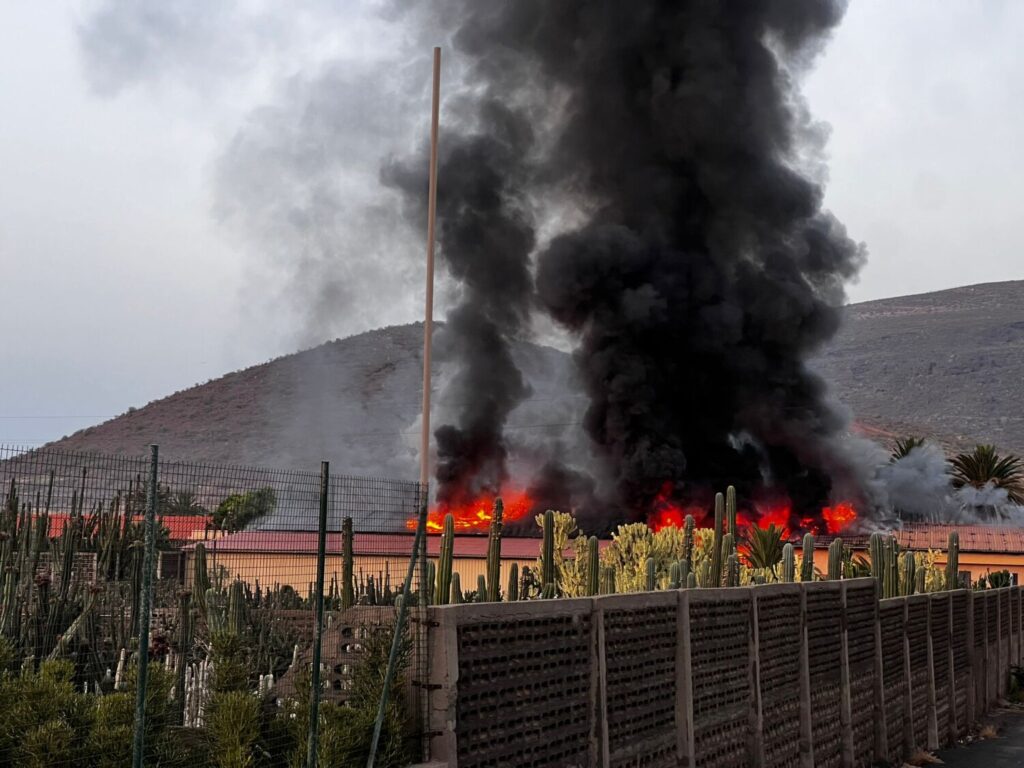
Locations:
{"points": [[475, 515], [838, 518]]}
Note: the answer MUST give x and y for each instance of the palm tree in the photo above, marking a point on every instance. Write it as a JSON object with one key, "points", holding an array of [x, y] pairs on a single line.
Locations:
{"points": [[904, 446], [984, 466], [764, 547], [184, 503]]}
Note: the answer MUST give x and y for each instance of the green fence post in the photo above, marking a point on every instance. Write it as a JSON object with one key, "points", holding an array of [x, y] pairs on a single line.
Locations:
{"points": [[396, 641], [145, 608], [318, 634]]}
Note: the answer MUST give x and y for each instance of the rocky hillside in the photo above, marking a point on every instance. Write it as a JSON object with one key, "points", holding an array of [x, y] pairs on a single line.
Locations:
{"points": [[948, 364]]}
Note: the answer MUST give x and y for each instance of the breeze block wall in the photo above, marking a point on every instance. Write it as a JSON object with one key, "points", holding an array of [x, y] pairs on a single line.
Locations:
{"points": [[807, 675]]}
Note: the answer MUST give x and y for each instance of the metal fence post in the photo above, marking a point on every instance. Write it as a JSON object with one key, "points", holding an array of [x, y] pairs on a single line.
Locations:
{"points": [[145, 608], [396, 640], [318, 632]]}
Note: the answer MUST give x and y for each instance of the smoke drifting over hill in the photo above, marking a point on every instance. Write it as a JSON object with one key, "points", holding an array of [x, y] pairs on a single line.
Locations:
{"points": [[645, 175]]}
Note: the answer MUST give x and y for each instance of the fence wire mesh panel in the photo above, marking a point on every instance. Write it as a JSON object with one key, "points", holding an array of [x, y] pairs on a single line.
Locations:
{"points": [[233, 611]]}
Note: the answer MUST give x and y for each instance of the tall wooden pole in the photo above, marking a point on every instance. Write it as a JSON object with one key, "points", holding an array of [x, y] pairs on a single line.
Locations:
{"points": [[428, 314]]}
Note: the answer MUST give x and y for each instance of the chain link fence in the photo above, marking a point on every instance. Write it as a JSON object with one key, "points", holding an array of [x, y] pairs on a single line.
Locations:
{"points": [[234, 608]]}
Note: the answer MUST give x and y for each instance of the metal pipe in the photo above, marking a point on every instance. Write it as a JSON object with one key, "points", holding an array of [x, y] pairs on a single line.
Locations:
{"points": [[145, 608], [318, 632]]}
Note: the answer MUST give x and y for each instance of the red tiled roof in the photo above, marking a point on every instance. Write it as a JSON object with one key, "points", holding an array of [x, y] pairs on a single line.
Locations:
{"points": [[180, 527], [378, 544], [989, 539]]}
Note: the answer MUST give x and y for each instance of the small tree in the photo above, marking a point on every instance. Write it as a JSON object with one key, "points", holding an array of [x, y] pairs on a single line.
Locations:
{"points": [[239, 509], [984, 466]]}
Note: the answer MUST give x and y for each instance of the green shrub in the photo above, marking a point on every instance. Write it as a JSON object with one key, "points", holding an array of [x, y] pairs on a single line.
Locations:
{"points": [[240, 509], [233, 729], [44, 719]]}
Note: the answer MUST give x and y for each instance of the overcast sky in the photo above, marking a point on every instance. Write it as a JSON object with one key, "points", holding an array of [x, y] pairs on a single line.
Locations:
{"points": [[189, 187]]}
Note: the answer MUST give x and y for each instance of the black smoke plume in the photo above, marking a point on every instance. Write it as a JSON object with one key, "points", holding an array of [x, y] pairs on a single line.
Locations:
{"points": [[485, 237], [703, 271]]}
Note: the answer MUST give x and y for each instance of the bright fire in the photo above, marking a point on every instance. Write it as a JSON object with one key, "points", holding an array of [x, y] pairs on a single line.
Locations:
{"points": [[667, 512], [839, 517], [475, 516]]}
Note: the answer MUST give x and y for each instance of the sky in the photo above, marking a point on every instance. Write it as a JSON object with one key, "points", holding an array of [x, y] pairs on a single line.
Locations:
{"points": [[187, 187]]}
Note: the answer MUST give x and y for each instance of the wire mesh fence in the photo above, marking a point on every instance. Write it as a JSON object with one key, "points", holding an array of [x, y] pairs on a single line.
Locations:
{"points": [[234, 612]]}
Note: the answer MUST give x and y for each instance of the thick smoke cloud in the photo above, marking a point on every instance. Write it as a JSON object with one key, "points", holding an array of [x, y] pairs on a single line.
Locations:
{"points": [[486, 236], [665, 147], [706, 271]]}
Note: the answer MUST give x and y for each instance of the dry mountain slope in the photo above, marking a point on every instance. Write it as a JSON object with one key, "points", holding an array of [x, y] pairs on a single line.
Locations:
{"points": [[948, 364]]}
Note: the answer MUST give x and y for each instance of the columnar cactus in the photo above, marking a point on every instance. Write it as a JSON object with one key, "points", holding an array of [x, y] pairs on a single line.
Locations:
{"points": [[494, 554], [548, 593], [347, 583], [953, 562], [691, 581], [444, 561], [688, 528], [650, 583], [788, 564], [456, 589], [481, 588], [512, 592], [593, 567], [547, 575], [919, 580], [608, 581], [716, 545], [235, 622], [673, 576], [732, 572], [909, 580], [835, 560], [684, 571], [892, 563], [730, 513], [807, 561], [876, 547], [200, 577]]}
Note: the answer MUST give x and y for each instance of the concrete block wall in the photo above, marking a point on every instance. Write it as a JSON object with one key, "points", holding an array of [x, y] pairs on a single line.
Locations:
{"points": [[806, 675]]}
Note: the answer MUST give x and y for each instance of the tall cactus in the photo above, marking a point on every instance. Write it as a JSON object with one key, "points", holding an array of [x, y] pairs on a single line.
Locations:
{"points": [[674, 576], [807, 561], [684, 572], [593, 567], [716, 544], [909, 581], [548, 550], [235, 621], [732, 571], [728, 546], [608, 581], [481, 588], [443, 588], [200, 578], [347, 584], [788, 564], [730, 513], [456, 589], [688, 528], [953, 562], [892, 576], [876, 547], [835, 560], [691, 581], [494, 554], [919, 580], [512, 591], [651, 574]]}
